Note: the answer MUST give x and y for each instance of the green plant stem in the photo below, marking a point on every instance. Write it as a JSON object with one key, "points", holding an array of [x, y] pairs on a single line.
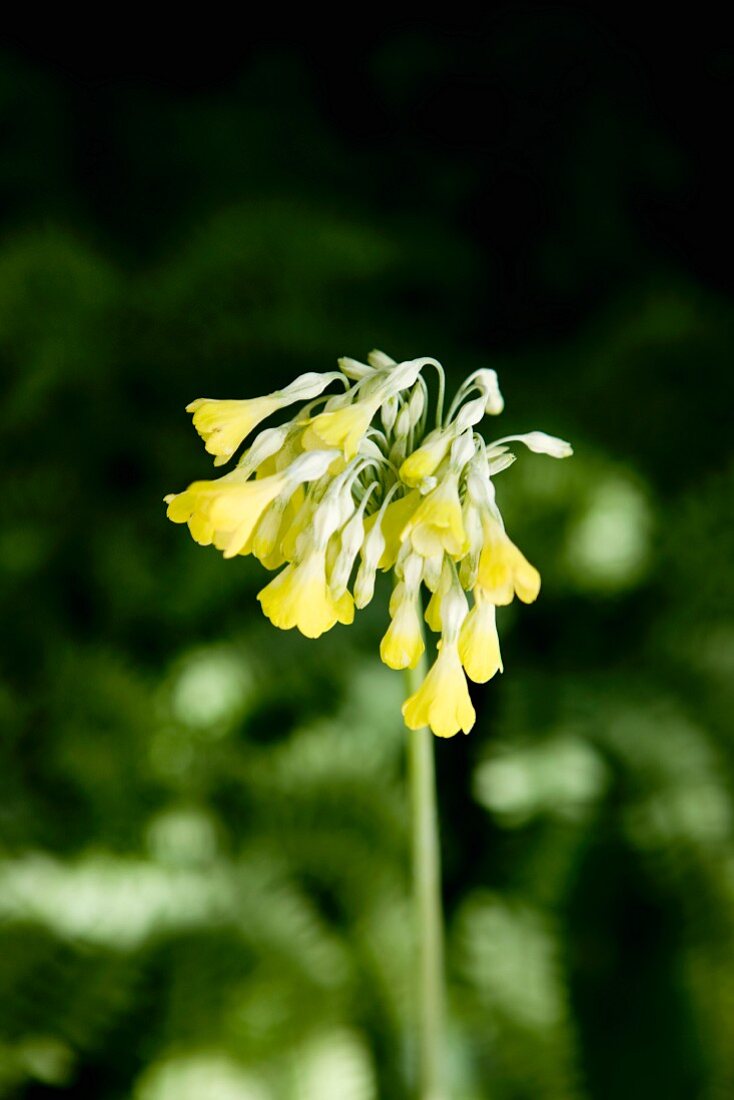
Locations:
{"points": [[428, 913]]}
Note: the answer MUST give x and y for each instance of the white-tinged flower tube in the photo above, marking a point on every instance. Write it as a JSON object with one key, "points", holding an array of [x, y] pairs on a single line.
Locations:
{"points": [[540, 443]]}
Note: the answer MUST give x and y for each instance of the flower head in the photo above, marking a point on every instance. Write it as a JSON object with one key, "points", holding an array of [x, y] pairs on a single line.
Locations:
{"points": [[337, 493]]}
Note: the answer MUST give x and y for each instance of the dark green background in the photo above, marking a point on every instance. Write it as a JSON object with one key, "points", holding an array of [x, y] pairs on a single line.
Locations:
{"points": [[203, 831]]}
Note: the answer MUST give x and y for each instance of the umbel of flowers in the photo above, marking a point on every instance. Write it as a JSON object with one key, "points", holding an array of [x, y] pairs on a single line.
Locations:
{"points": [[365, 479]]}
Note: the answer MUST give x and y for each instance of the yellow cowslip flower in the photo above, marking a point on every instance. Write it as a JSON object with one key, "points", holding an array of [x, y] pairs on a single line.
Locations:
{"points": [[224, 425], [442, 701], [392, 523], [343, 428], [344, 425], [275, 522], [437, 525], [504, 570], [330, 498], [479, 644], [438, 586], [226, 511], [299, 596], [403, 645], [224, 505], [425, 460]]}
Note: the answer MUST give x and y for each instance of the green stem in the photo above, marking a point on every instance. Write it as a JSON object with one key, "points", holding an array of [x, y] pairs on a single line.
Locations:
{"points": [[428, 914]]}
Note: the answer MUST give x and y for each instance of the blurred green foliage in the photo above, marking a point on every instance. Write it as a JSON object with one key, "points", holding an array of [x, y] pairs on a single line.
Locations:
{"points": [[203, 850]]}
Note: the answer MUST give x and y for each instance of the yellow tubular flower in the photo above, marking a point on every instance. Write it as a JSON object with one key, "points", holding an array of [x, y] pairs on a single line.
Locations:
{"points": [[227, 510], [442, 701], [437, 524], [268, 535], [403, 644], [438, 590], [504, 570], [432, 613], [277, 556], [342, 428], [479, 644], [223, 425], [427, 458], [239, 510], [299, 597], [300, 522], [228, 504], [394, 518]]}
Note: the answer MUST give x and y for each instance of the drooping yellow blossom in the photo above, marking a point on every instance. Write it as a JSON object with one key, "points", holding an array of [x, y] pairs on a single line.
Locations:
{"points": [[425, 460], [437, 525], [224, 425], [300, 597], [343, 428], [479, 644], [275, 522], [222, 505], [438, 590], [403, 645], [504, 570], [226, 511], [392, 523], [442, 701], [339, 492]]}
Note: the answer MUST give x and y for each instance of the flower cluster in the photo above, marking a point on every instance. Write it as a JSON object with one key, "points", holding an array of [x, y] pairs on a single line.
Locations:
{"points": [[334, 494]]}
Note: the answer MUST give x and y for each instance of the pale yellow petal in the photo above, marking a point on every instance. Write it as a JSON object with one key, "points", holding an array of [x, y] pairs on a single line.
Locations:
{"points": [[299, 597], [479, 646], [394, 518], [442, 702], [403, 645], [342, 428], [223, 425]]}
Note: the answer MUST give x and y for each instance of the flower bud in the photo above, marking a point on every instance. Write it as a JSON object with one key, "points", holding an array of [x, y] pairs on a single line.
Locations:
{"points": [[307, 386], [388, 413], [432, 568], [312, 465], [397, 451], [494, 401], [543, 444], [500, 463], [462, 450], [470, 414], [417, 404], [353, 368], [352, 537], [402, 427], [425, 460], [372, 550], [379, 361], [412, 570], [454, 609], [404, 375]]}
